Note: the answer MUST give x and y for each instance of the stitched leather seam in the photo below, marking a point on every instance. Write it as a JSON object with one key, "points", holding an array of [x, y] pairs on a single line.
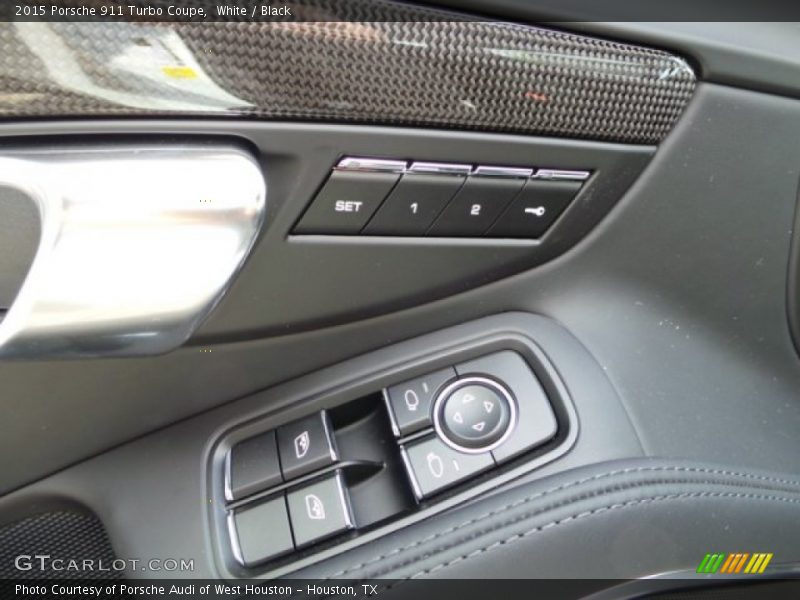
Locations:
{"points": [[616, 506], [521, 501]]}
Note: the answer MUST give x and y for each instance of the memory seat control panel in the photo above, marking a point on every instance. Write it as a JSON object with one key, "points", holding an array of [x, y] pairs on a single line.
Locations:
{"points": [[380, 197], [323, 479]]}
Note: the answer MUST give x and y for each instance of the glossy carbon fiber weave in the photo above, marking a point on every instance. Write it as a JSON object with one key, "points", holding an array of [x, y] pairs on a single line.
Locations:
{"points": [[352, 60]]}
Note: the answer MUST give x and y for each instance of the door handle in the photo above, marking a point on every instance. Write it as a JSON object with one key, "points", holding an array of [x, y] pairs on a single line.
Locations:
{"points": [[138, 243]]}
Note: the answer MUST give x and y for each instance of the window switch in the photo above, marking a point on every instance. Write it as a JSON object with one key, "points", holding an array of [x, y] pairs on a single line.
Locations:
{"points": [[306, 445], [319, 510]]}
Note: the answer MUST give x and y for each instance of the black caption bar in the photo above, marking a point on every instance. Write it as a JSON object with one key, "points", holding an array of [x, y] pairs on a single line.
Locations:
{"points": [[199, 11], [394, 589]]}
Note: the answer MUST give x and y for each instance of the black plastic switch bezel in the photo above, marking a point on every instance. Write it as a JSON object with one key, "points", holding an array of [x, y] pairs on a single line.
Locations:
{"points": [[403, 368]]}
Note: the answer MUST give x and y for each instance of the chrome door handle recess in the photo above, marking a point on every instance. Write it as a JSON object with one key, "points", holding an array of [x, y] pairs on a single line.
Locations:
{"points": [[138, 243]]}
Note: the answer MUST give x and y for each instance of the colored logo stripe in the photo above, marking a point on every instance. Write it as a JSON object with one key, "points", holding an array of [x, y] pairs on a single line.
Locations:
{"points": [[758, 563], [710, 563], [733, 563]]}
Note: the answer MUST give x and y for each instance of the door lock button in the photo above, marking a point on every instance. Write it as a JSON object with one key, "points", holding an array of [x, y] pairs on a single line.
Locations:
{"points": [[474, 414]]}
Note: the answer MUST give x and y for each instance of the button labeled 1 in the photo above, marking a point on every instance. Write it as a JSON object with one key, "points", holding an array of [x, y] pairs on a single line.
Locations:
{"points": [[433, 466], [413, 204]]}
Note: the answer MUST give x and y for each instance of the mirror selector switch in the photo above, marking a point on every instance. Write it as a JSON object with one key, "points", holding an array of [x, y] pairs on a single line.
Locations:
{"points": [[410, 402], [474, 415], [306, 445], [433, 466]]}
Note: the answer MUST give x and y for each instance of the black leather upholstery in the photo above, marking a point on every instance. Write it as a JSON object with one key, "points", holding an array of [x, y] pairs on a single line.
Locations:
{"points": [[618, 519]]}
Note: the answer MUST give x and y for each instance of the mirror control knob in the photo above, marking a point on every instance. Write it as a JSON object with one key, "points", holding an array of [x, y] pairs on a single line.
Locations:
{"points": [[474, 414]]}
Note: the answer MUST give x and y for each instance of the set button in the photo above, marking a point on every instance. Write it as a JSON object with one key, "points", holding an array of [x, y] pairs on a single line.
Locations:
{"points": [[346, 202]]}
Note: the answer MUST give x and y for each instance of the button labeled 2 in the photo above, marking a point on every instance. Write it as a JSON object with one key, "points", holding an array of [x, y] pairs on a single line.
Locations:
{"points": [[476, 206]]}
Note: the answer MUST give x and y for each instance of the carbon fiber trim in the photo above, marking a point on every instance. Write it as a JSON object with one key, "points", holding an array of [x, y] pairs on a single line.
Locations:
{"points": [[359, 61]]}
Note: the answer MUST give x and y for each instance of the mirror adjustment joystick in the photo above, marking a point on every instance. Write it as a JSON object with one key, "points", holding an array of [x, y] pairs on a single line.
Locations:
{"points": [[474, 414]]}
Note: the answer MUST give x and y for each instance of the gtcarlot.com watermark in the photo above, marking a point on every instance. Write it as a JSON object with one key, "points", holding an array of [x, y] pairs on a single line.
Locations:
{"points": [[45, 562]]}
